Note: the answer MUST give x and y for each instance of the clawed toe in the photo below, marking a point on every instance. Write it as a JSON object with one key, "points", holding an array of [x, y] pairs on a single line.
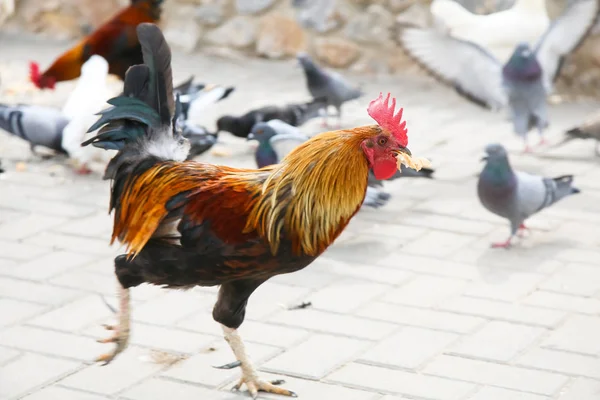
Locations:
{"points": [[256, 385]]}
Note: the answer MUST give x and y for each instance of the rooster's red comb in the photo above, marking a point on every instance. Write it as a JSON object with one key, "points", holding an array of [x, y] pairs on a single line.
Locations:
{"points": [[382, 112], [34, 73]]}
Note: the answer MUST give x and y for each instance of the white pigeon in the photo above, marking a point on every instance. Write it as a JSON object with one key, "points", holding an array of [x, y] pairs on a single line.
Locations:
{"points": [[499, 32], [88, 98]]}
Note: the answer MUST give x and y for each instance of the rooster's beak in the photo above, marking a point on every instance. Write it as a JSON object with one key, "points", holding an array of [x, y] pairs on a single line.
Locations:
{"points": [[404, 150]]}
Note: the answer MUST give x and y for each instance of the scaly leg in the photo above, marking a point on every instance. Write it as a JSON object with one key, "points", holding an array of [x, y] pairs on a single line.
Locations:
{"points": [[522, 228], [503, 245], [249, 374], [121, 330]]}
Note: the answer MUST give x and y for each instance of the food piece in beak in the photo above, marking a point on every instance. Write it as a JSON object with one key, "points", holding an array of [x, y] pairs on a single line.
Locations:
{"points": [[404, 156]]}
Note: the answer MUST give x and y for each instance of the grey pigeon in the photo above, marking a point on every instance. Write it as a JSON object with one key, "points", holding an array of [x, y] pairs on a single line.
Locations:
{"points": [[523, 83], [590, 129], [199, 95], [517, 195], [276, 139], [38, 125], [293, 114], [327, 84]]}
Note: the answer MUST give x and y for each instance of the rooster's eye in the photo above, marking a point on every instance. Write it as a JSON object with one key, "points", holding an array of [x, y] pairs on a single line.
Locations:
{"points": [[381, 141]]}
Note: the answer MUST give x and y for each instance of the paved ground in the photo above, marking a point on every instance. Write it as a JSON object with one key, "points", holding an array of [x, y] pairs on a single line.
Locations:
{"points": [[410, 303]]}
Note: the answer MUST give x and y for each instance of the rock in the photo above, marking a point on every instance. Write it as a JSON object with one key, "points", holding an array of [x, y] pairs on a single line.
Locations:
{"points": [[280, 36], [398, 6], [336, 52], [416, 15], [372, 26], [319, 15], [180, 27], [253, 6], [210, 14], [238, 32], [371, 65]]}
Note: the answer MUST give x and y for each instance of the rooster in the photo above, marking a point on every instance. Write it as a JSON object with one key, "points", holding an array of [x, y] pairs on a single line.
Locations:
{"points": [[116, 41], [186, 223]]}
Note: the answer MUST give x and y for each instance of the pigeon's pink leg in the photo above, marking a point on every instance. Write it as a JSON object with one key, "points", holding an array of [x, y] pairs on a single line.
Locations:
{"points": [[542, 142], [503, 245], [83, 170]]}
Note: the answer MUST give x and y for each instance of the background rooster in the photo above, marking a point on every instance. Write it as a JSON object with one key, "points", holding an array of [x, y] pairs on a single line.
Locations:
{"points": [[187, 223], [116, 41]]}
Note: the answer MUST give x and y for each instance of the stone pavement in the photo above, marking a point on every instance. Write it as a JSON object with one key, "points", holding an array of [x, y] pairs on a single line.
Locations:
{"points": [[410, 303]]}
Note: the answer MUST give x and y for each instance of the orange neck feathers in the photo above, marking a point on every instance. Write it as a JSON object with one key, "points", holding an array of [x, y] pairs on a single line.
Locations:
{"points": [[311, 195]]}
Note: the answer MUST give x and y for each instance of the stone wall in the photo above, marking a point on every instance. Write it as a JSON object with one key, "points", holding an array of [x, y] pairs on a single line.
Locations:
{"points": [[351, 34]]}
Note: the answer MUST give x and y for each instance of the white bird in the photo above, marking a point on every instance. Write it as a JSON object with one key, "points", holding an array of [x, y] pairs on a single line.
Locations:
{"points": [[500, 32], [88, 98]]}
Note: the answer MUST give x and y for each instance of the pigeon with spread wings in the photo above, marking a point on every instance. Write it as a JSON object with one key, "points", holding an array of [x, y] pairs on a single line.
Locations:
{"points": [[523, 83]]}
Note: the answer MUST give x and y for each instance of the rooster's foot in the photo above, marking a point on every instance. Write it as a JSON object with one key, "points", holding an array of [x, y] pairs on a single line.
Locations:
{"points": [[502, 245], [121, 330], [255, 385], [83, 170]]}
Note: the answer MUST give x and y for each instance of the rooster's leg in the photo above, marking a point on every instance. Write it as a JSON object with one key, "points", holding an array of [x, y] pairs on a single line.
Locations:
{"points": [[249, 374], [121, 330]]}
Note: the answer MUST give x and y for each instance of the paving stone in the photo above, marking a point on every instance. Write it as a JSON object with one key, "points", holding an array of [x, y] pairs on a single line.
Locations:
{"points": [[172, 306], [433, 319], [579, 334], [564, 302], [19, 251], [315, 357], [345, 295], [432, 266], [74, 316], [488, 373], [92, 282], [407, 383], [426, 291], [498, 341], [60, 393], [55, 208], [71, 243], [409, 348], [31, 370], [160, 389], [445, 244], [13, 311], [576, 279], [504, 311], [334, 323], [504, 285], [48, 265], [29, 225], [494, 393], [269, 334], [199, 368], [7, 354], [97, 225], [35, 292], [123, 372], [50, 342], [581, 389], [558, 361], [366, 273], [445, 223]]}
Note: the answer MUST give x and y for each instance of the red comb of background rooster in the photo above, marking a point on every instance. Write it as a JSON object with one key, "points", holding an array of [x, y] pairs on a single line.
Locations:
{"points": [[34, 73], [381, 111]]}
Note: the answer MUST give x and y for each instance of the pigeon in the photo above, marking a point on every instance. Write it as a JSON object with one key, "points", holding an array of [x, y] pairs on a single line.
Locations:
{"points": [[276, 139], [329, 85], [498, 32], [517, 195], [523, 83], [197, 96], [200, 139], [293, 114], [38, 125], [590, 129], [85, 101]]}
